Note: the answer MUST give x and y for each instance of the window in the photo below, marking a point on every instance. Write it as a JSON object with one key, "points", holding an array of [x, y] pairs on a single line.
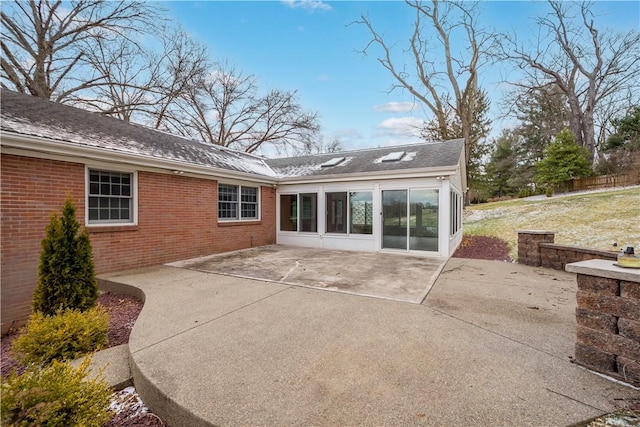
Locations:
{"points": [[309, 212], [306, 216], [393, 157], [455, 200], [289, 212], [361, 212], [236, 202], [336, 212], [332, 162], [110, 197]]}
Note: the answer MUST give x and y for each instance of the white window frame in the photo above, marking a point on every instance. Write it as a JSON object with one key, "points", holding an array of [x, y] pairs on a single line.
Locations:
{"points": [[239, 202], [133, 220], [300, 213]]}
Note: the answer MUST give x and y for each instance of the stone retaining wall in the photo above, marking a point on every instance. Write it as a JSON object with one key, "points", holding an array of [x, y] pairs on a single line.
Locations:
{"points": [[536, 248], [608, 327]]}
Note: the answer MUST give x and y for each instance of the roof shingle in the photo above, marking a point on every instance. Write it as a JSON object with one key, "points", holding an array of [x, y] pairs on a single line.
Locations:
{"points": [[31, 116]]}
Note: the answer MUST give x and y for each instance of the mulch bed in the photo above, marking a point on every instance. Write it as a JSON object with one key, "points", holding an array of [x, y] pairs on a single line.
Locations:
{"points": [[483, 247], [123, 311]]}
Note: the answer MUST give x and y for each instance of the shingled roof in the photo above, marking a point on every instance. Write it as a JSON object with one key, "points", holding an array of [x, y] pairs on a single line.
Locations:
{"points": [[30, 116], [374, 160]]}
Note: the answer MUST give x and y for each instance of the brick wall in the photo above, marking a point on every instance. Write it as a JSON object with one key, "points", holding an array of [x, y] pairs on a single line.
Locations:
{"points": [[177, 219], [608, 327], [536, 248]]}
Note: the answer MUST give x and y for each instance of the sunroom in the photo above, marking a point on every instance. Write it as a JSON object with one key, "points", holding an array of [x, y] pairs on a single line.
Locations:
{"points": [[395, 199]]}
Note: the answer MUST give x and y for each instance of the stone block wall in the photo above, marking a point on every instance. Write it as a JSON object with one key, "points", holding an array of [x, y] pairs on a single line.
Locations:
{"points": [[558, 256], [608, 327], [536, 248], [529, 246]]}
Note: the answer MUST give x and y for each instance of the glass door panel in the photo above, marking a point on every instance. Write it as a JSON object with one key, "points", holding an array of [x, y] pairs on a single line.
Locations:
{"points": [[394, 219], [423, 220]]}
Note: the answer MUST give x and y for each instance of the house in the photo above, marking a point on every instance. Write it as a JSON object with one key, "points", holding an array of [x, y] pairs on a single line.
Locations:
{"points": [[147, 197]]}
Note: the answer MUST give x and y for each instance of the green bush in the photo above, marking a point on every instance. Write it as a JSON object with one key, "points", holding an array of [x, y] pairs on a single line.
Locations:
{"points": [[67, 335], [549, 191], [56, 395], [66, 276]]}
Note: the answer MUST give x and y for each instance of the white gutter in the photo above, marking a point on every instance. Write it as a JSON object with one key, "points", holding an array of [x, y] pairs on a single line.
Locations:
{"points": [[367, 176]]}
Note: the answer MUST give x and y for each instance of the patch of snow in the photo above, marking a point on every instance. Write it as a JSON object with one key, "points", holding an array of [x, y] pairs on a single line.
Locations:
{"points": [[193, 152], [409, 156], [128, 398]]}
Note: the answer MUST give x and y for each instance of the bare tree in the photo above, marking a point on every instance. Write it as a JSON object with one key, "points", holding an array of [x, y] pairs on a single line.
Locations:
{"points": [[45, 43], [225, 108], [144, 84], [590, 67], [441, 79]]}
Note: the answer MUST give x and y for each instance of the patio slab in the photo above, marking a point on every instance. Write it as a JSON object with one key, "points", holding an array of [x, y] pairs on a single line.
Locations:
{"points": [[397, 277], [236, 351]]}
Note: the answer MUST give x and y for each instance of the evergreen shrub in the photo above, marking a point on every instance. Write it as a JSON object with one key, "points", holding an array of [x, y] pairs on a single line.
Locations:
{"points": [[56, 395], [64, 336], [66, 275]]}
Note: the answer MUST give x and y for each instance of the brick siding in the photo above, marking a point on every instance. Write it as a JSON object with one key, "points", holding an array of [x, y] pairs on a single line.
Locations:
{"points": [[177, 219]]}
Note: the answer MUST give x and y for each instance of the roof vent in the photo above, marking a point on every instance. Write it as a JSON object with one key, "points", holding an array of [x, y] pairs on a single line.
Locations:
{"points": [[333, 162], [393, 157]]}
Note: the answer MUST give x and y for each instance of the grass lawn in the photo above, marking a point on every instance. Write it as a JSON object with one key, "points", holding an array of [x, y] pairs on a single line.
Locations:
{"points": [[592, 220]]}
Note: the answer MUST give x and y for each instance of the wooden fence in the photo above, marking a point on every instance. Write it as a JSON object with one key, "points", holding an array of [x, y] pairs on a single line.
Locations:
{"points": [[596, 182]]}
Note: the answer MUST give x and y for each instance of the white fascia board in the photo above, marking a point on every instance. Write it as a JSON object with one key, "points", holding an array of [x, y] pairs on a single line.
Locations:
{"points": [[25, 144], [373, 176]]}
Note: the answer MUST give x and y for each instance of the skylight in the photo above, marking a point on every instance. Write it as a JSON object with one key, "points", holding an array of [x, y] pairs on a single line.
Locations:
{"points": [[393, 157], [332, 162]]}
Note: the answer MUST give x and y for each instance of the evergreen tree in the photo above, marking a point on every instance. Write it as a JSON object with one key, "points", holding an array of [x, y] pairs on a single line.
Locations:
{"points": [[501, 169], [563, 160], [621, 150], [66, 273]]}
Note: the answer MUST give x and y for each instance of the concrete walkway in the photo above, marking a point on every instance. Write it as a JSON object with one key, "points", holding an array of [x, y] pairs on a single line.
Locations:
{"points": [[490, 345]]}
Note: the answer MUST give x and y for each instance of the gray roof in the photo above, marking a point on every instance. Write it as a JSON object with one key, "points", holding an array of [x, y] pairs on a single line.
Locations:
{"points": [[28, 115], [31, 116], [415, 156]]}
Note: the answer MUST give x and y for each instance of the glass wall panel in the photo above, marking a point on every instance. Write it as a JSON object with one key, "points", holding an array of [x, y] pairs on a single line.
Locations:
{"points": [[309, 218], [336, 213], [423, 220], [289, 212], [361, 212], [394, 219]]}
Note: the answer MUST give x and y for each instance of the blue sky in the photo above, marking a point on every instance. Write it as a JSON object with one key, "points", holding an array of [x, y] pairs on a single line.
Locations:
{"points": [[310, 47]]}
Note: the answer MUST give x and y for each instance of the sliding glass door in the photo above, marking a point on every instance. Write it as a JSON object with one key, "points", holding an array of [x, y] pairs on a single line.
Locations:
{"points": [[410, 220]]}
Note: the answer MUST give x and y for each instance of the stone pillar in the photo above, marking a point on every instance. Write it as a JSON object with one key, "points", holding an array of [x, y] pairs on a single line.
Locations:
{"points": [[608, 319], [529, 245]]}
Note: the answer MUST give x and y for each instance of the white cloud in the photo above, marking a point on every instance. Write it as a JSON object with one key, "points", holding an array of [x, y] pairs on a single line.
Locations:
{"points": [[323, 77], [408, 127], [395, 107], [311, 5]]}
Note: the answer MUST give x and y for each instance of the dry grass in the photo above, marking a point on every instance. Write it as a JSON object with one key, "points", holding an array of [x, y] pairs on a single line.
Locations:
{"points": [[593, 220]]}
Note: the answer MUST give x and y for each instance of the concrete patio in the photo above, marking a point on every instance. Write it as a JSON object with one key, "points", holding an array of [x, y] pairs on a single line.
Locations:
{"points": [[398, 277], [490, 345]]}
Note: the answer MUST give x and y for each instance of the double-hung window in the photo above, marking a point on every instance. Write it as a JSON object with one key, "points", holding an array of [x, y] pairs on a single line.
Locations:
{"points": [[110, 197], [238, 202]]}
